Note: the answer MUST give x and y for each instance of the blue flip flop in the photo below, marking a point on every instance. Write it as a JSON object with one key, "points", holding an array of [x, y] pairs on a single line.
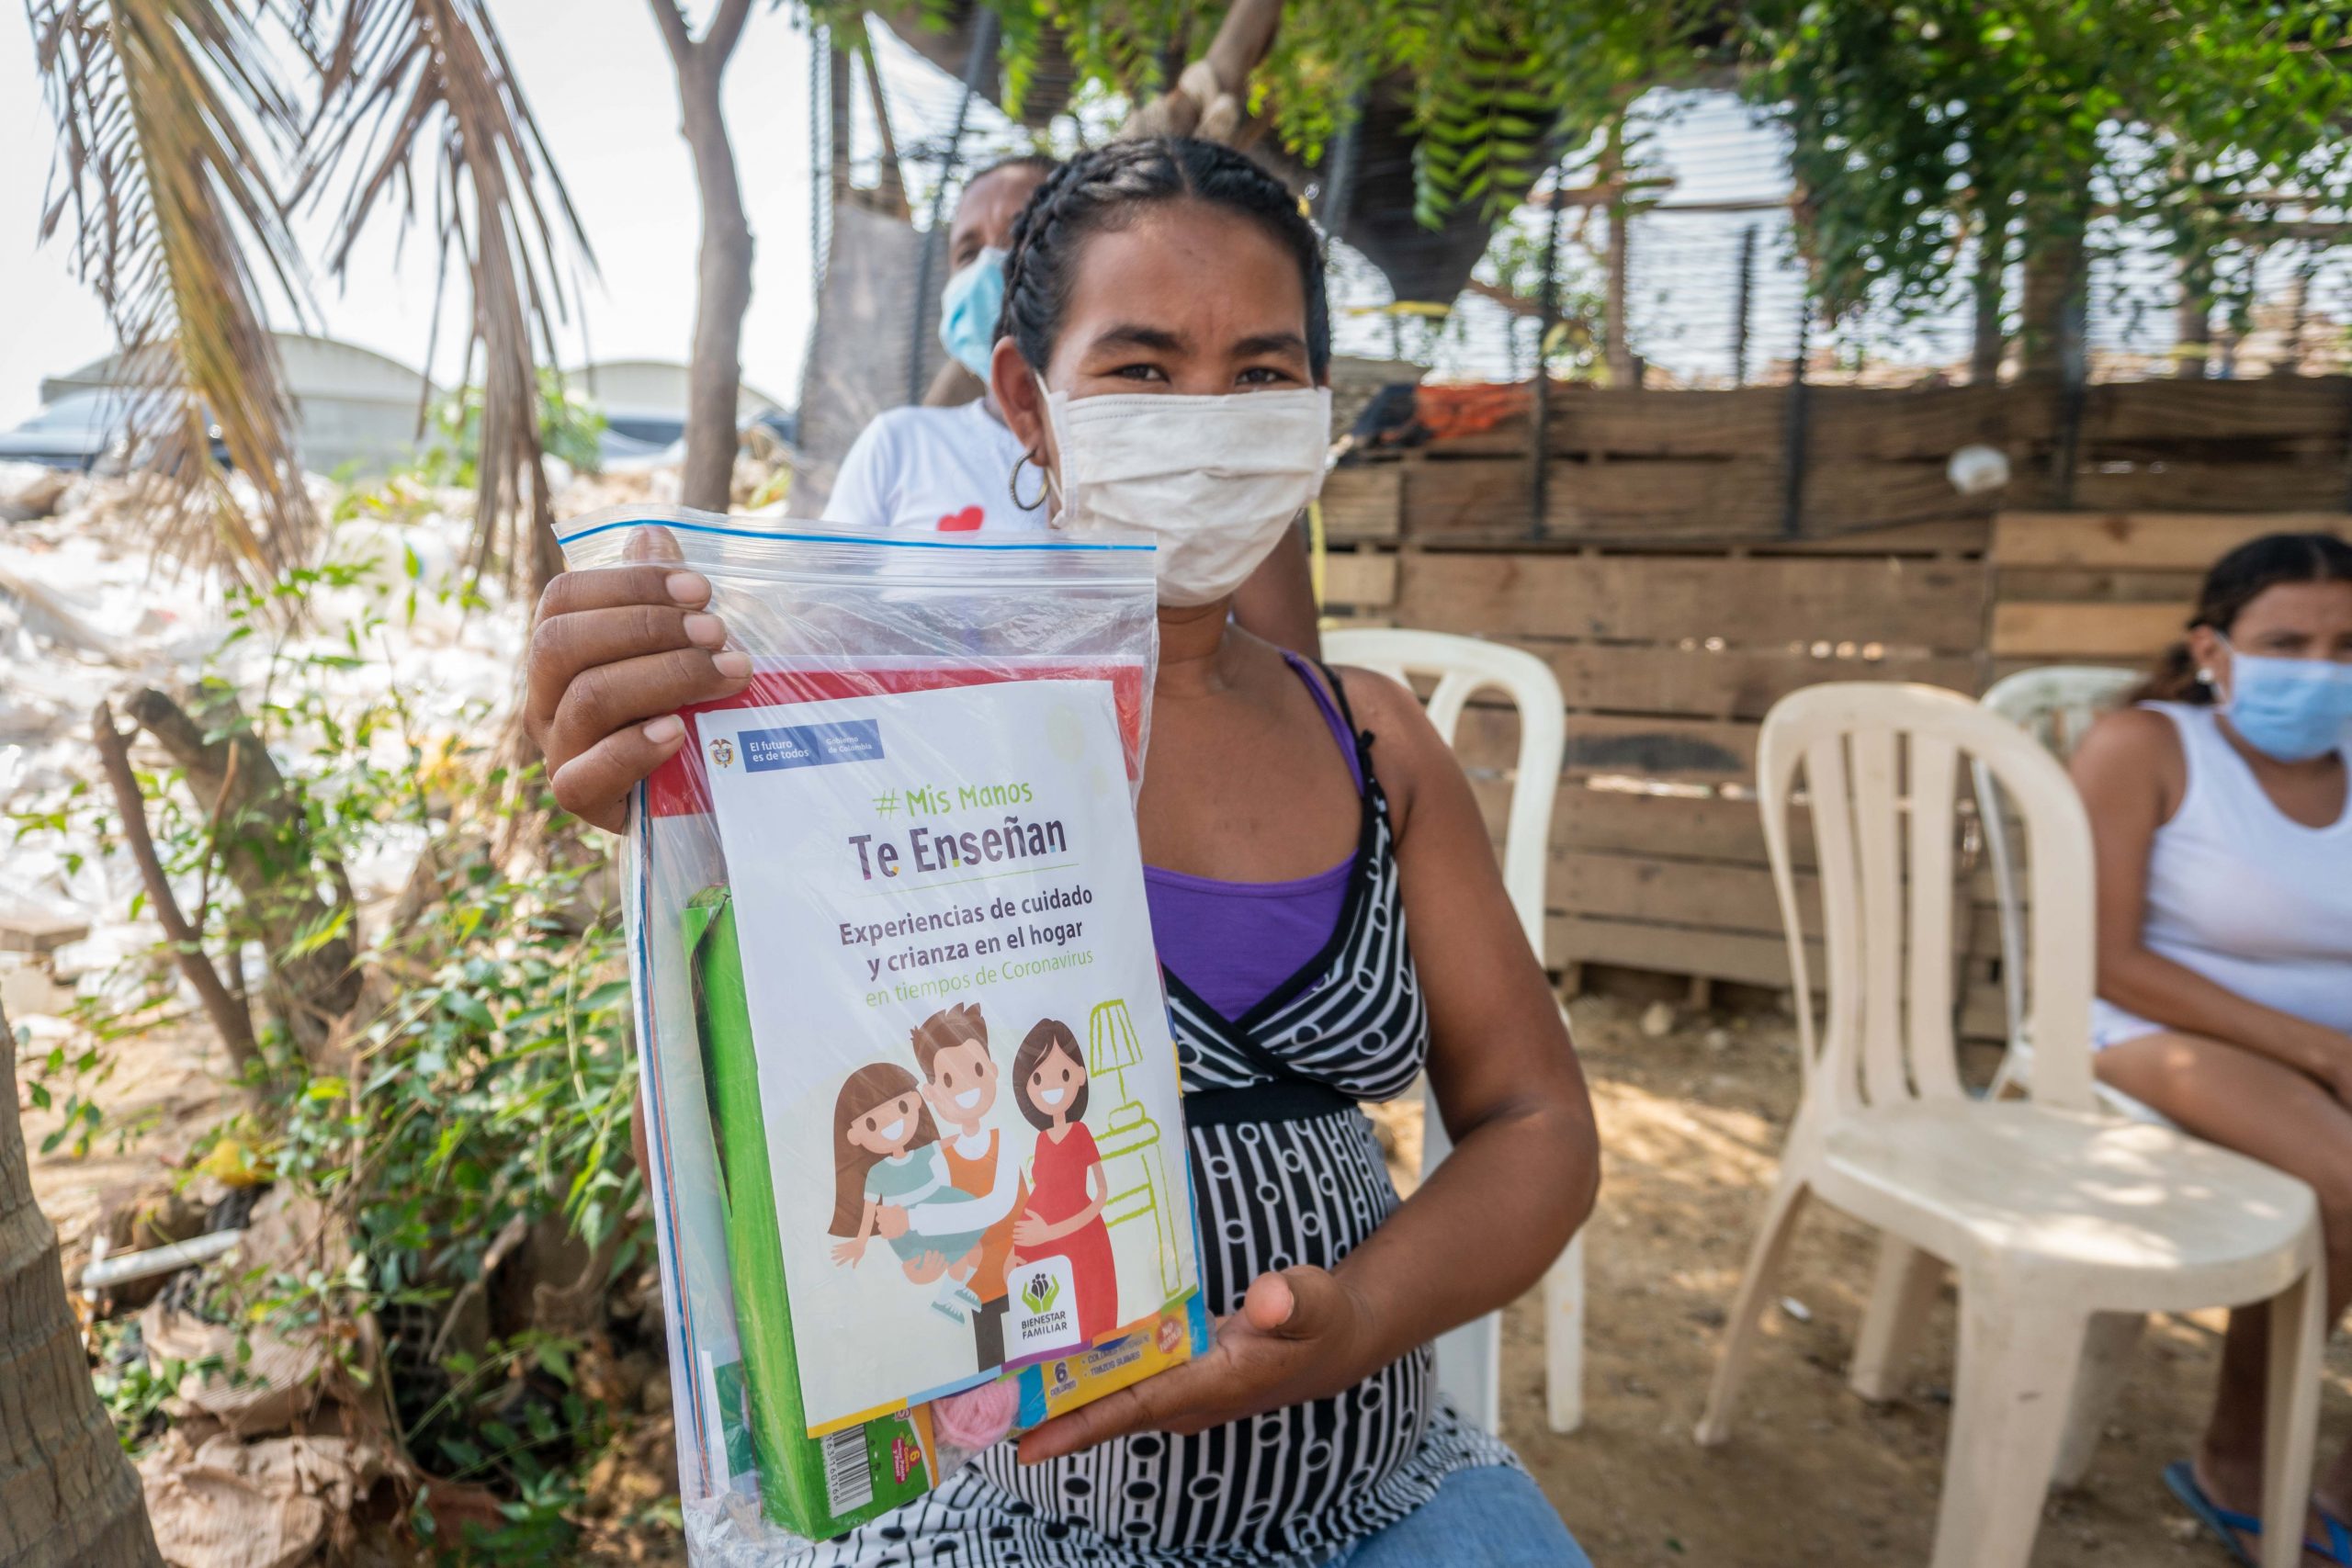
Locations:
{"points": [[2339, 1535], [2226, 1524]]}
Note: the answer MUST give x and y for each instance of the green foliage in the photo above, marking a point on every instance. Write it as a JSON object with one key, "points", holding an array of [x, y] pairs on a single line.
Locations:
{"points": [[133, 1388], [1922, 122], [490, 1093], [1498, 88], [569, 428]]}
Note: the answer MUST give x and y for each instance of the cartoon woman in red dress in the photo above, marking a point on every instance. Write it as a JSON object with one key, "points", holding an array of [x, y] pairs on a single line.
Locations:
{"points": [[1067, 1188]]}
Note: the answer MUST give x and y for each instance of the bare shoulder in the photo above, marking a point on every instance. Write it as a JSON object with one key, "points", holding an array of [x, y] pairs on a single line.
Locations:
{"points": [[2131, 754], [1410, 756], [2132, 737], [1384, 705]]}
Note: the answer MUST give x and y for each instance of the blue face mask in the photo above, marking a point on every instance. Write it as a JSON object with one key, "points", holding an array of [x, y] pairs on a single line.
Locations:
{"points": [[2290, 709], [969, 310]]}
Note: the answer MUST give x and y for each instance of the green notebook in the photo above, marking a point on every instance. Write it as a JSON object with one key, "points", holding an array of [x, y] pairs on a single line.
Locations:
{"points": [[815, 1487]]}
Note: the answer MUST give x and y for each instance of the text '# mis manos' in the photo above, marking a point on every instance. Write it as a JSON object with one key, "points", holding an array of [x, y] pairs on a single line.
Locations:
{"points": [[927, 850]]}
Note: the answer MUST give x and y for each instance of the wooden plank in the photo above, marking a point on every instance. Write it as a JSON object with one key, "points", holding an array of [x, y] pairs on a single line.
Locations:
{"points": [[1713, 828], [1359, 578], [1848, 422], [1739, 498], [2271, 409], [2314, 484], [1751, 603], [2086, 631], [1750, 421], [2077, 584], [1676, 892], [1693, 750], [1926, 423], [1471, 495], [1364, 502], [1742, 956], [2142, 541], [1722, 684]]}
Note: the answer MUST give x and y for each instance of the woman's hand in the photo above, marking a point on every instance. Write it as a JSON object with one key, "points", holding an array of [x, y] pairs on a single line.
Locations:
{"points": [[614, 654], [850, 1252], [1031, 1230], [1302, 1334]]}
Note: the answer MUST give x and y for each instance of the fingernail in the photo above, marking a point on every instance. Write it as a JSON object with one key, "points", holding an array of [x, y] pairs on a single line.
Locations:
{"points": [[688, 587], [665, 729], [732, 664], [709, 631]]}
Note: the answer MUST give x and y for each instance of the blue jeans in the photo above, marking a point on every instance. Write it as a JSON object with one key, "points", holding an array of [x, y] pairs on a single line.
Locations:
{"points": [[1487, 1518]]}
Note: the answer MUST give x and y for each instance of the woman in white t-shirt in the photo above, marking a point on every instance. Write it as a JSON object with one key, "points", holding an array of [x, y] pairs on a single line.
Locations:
{"points": [[2221, 809], [950, 469]]}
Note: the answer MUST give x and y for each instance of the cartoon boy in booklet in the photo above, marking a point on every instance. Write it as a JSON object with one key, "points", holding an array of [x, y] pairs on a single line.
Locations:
{"points": [[960, 1080]]}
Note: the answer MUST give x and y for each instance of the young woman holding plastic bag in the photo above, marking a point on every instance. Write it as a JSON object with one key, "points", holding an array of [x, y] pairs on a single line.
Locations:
{"points": [[1326, 903]]}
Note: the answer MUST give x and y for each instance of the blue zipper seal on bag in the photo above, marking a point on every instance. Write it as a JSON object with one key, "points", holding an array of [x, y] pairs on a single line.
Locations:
{"points": [[848, 539]]}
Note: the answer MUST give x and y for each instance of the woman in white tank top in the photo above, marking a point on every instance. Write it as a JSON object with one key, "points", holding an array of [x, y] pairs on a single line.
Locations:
{"points": [[2221, 809]]}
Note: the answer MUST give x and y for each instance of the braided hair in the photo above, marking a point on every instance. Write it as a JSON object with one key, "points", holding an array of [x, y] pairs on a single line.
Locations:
{"points": [[1103, 189], [2235, 581]]}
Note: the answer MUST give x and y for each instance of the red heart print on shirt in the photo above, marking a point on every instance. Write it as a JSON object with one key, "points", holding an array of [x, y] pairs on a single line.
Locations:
{"points": [[962, 522]]}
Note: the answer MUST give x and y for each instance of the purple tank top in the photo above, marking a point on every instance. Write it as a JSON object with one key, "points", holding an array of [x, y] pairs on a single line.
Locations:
{"points": [[1233, 942]]}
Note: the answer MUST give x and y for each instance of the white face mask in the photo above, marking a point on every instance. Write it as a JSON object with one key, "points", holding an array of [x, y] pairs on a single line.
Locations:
{"points": [[1213, 480]]}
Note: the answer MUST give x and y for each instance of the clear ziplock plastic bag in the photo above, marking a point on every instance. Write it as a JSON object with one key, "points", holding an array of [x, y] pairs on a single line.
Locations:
{"points": [[917, 1157]]}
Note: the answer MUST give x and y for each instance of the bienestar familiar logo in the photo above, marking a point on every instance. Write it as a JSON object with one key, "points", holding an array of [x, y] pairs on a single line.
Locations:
{"points": [[1046, 1323]]}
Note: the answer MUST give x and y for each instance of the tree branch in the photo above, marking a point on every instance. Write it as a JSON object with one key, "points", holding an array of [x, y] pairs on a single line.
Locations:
{"points": [[674, 36], [233, 1023], [725, 28]]}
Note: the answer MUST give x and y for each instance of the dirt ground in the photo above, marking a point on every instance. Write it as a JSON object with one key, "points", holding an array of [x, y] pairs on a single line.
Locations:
{"points": [[1692, 1124]]}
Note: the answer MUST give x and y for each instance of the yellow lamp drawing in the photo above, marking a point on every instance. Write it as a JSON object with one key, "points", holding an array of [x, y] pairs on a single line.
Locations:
{"points": [[1133, 1166]]}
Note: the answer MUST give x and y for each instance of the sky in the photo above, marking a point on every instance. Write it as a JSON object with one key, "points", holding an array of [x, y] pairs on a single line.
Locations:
{"points": [[596, 76]]}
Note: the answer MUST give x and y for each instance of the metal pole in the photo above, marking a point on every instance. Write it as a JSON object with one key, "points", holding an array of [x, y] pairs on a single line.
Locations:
{"points": [[1792, 455], [1746, 304], [1539, 436], [976, 65]]}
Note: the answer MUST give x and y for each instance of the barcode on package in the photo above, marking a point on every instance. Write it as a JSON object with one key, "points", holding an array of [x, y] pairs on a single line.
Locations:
{"points": [[849, 1480]]}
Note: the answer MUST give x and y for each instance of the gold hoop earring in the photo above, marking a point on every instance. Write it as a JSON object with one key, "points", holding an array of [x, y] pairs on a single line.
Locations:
{"points": [[1012, 483]]}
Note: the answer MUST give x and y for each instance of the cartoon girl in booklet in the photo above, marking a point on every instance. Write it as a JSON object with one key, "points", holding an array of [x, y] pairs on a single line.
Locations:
{"points": [[1067, 1186], [886, 1150]]}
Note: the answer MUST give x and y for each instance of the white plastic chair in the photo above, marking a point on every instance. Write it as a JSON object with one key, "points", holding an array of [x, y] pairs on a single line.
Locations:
{"points": [[1469, 1358], [2049, 1211], [2056, 705]]}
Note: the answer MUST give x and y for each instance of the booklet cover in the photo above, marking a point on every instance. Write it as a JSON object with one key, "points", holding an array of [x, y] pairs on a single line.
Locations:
{"points": [[964, 1071]]}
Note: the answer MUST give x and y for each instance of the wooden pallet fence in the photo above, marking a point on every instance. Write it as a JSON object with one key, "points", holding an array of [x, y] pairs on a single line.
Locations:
{"points": [[1650, 468], [1665, 592], [1667, 663], [2112, 587]]}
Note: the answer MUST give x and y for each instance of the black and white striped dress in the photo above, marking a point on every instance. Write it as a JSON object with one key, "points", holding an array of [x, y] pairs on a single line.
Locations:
{"points": [[1286, 1170]]}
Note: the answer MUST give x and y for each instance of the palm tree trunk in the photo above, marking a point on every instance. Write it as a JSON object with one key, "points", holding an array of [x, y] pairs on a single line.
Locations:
{"points": [[68, 1497]]}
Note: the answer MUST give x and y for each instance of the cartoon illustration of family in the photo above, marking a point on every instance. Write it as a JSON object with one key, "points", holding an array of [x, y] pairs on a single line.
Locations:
{"points": [[956, 1208]]}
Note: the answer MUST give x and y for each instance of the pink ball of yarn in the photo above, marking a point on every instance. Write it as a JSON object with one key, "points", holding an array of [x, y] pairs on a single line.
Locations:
{"points": [[978, 1417]]}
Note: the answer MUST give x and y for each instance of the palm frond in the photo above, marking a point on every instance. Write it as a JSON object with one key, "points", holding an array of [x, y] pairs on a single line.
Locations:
{"points": [[167, 112], [420, 94]]}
